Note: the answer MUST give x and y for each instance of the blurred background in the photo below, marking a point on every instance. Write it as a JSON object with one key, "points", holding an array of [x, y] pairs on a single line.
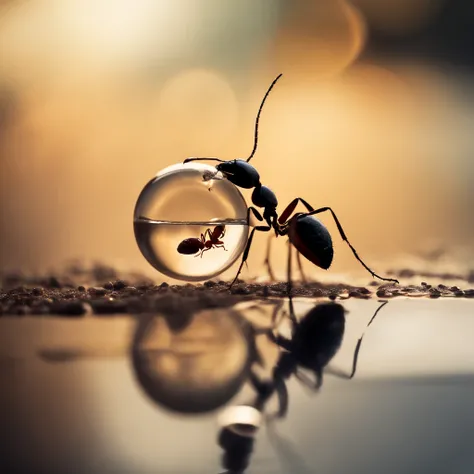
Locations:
{"points": [[372, 117]]}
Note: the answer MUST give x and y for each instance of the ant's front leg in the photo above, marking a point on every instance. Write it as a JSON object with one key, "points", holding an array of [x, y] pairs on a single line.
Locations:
{"points": [[205, 249], [260, 228]]}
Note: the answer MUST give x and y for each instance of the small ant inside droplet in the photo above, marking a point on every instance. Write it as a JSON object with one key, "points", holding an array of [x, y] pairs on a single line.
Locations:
{"points": [[194, 245]]}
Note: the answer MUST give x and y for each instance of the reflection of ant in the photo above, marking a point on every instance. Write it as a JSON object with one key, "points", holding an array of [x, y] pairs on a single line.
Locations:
{"points": [[315, 341], [307, 234], [193, 245]]}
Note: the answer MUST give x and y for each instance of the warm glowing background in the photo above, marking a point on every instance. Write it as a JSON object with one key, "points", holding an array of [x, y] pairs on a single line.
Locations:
{"points": [[372, 117]]}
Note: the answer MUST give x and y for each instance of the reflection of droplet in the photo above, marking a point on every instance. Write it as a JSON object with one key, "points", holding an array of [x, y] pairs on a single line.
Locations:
{"points": [[197, 369], [178, 205]]}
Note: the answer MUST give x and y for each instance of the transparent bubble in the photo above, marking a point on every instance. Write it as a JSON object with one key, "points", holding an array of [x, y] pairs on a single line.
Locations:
{"points": [[188, 201]]}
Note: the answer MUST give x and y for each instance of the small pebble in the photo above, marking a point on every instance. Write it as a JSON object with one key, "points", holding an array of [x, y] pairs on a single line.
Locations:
{"points": [[81, 288], [130, 290], [210, 284], [37, 291], [164, 285], [108, 286], [97, 291], [120, 285], [434, 293], [240, 290]]}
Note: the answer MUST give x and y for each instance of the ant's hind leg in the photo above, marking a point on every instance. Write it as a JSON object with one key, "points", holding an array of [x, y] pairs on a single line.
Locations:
{"points": [[300, 268], [345, 239], [339, 373], [289, 284], [267, 259], [260, 228]]}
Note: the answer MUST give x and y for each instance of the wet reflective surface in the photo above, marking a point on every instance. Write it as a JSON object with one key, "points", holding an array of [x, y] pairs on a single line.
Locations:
{"points": [[152, 394]]}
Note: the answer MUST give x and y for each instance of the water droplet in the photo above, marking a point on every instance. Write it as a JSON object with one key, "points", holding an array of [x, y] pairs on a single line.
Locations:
{"points": [[188, 201]]}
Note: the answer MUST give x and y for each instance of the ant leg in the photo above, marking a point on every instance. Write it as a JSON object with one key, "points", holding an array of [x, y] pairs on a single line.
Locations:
{"points": [[308, 382], [188, 160], [282, 392], [249, 242], [204, 250], [341, 374], [300, 267], [344, 238], [260, 228], [289, 284], [264, 390], [276, 321], [291, 207], [267, 259]]}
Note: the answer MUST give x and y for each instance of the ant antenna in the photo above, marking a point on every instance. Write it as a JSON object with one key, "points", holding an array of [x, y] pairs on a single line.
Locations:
{"points": [[257, 120]]}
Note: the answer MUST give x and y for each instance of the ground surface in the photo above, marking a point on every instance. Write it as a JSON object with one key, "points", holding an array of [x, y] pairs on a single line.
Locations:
{"points": [[101, 289]]}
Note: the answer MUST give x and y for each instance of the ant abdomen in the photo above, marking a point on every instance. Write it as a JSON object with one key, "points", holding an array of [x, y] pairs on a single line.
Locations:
{"points": [[190, 246]]}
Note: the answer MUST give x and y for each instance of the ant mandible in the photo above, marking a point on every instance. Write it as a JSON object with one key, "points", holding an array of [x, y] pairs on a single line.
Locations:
{"points": [[194, 245], [307, 234]]}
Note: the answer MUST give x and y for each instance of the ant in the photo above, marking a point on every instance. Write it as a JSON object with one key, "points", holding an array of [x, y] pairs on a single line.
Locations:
{"points": [[307, 234], [315, 340], [194, 245]]}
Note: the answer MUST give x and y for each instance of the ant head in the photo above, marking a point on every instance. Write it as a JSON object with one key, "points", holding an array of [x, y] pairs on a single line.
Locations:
{"points": [[240, 173]]}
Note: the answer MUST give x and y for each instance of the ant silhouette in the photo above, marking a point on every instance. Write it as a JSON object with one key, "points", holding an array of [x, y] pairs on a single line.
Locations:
{"points": [[194, 245], [315, 341], [307, 234]]}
